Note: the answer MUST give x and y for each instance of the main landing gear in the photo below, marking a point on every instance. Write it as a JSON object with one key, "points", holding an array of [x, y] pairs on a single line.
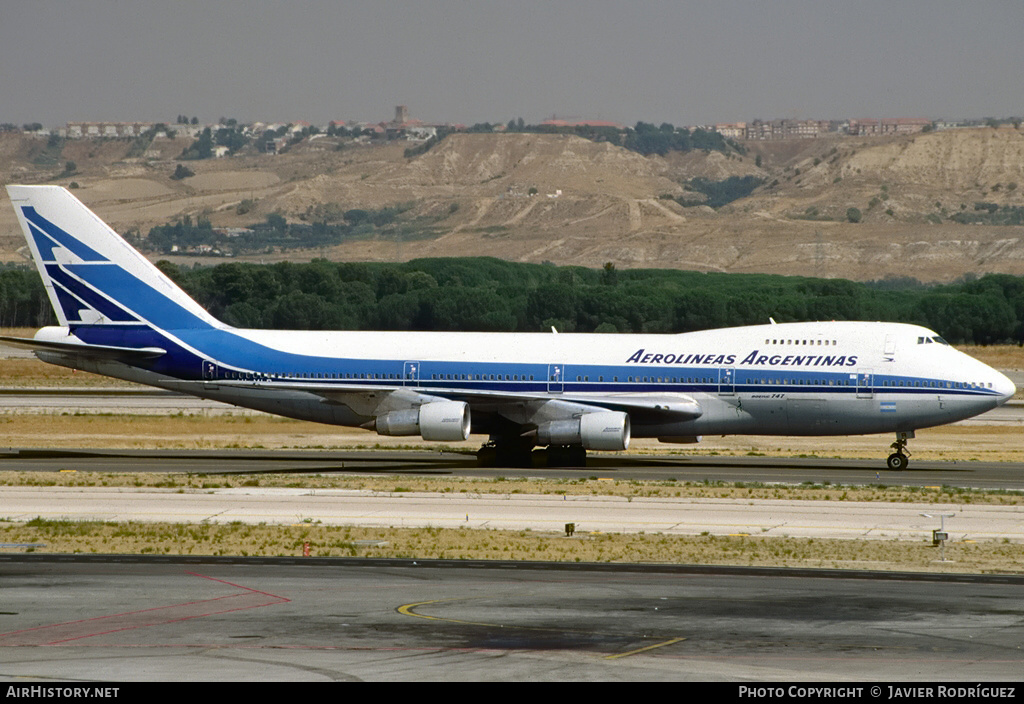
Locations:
{"points": [[520, 454], [898, 460], [566, 456], [506, 453]]}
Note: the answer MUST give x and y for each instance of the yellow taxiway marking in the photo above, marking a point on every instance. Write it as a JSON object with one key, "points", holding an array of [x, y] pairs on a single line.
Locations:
{"points": [[407, 610], [644, 649]]}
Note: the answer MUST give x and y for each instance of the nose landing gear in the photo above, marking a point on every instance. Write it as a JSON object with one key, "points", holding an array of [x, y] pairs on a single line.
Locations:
{"points": [[898, 460]]}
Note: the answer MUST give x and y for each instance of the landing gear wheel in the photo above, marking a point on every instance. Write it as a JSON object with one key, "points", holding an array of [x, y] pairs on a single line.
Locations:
{"points": [[498, 455], [897, 461], [566, 456], [487, 456]]}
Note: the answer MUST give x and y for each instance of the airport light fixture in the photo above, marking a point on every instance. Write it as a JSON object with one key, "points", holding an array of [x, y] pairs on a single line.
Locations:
{"points": [[939, 537]]}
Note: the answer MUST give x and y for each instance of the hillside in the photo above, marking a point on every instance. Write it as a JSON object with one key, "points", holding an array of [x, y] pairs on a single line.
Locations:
{"points": [[560, 198]]}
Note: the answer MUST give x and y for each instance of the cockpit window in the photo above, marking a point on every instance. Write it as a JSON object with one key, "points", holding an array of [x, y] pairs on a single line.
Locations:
{"points": [[940, 340]]}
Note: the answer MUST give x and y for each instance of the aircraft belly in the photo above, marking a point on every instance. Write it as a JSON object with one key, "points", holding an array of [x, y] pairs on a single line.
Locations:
{"points": [[719, 417], [949, 409], [811, 415], [298, 405]]}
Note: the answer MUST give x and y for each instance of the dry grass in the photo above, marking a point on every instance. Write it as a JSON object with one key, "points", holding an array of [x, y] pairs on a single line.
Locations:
{"points": [[1005, 357], [178, 431], [28, 373], [442, 543]]}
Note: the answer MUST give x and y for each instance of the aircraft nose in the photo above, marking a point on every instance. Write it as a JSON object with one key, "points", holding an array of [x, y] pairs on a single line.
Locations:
{"points": [[1004, 387]]}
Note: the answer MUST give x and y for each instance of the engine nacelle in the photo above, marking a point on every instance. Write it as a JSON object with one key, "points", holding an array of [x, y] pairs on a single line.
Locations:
{"points": [[607, 430], [440, 420]]}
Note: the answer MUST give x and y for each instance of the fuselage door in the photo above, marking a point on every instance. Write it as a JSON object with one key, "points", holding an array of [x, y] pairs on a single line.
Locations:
{"points": [[411, 374], [556, 378], [865, 382], [726, 382], [209, 370]]}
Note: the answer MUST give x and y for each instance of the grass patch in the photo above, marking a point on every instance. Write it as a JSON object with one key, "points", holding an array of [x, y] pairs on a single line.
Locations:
{"points": [[501, 486], [458, 543]]}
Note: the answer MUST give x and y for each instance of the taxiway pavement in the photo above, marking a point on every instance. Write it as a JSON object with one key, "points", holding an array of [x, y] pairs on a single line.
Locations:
{"points": [[177, 619]]}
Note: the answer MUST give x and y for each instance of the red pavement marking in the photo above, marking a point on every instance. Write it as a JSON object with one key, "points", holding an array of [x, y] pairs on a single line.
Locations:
{"points": [[58, 633]]}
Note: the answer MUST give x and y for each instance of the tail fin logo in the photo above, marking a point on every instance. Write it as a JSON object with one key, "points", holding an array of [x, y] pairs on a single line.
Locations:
{"points": [[59, 249], [48, 237], [93, 277]]}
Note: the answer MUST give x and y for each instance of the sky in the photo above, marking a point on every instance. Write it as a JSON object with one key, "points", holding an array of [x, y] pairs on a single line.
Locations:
{"points": [[469, 61]]}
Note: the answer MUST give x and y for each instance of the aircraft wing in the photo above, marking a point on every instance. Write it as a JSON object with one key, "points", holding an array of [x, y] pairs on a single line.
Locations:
{"points": [[104, 352], [373, 400]]}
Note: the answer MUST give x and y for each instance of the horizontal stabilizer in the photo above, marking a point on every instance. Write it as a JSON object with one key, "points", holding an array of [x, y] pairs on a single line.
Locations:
{"points": [[84, 350]]}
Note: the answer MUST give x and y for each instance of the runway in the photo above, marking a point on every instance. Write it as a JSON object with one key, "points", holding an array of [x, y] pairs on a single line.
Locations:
{"points": [[145, 619], [781, 470]]}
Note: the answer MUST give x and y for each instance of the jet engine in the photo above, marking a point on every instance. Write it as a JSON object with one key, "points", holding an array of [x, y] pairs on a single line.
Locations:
{"points": [[605, 430], [439, 420]]}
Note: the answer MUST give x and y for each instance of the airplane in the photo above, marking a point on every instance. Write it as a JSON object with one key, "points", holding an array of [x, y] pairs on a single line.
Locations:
{"points": [[120, 316]]}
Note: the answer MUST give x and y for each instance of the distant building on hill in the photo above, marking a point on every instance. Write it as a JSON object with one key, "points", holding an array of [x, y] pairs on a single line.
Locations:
{"points": [[785, 129], [892, 125], [95, 130], [732, 130]]}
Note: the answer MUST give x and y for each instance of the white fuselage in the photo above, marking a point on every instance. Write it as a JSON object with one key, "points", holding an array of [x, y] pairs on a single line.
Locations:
{"points": [[831, 378]]}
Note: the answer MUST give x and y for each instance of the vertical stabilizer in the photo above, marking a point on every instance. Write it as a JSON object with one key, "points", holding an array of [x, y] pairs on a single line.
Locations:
{"points": [[92, 276]]}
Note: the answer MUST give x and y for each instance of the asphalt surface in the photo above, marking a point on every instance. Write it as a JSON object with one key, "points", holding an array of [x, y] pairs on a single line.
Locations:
{"points": [[143, 619], [986, 475]]}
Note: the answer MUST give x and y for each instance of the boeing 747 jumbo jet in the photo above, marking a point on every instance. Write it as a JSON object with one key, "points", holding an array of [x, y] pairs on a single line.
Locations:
{"points": [[121, 317]]}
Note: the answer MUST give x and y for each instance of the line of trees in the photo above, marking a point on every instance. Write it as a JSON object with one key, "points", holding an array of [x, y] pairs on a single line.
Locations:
{"points": [[330, 224], [719, 193], [23, 300], [484, 294], [991, 214]]}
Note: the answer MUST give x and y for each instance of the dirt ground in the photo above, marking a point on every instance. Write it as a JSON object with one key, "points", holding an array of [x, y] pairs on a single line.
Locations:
{"points": [[594, 203]]}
